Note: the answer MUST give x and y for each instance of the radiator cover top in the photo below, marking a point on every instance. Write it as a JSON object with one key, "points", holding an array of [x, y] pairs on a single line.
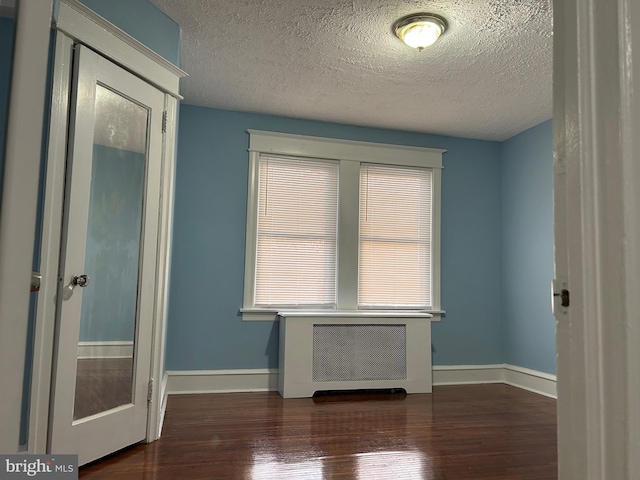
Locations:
{"points": [[359, 352]]}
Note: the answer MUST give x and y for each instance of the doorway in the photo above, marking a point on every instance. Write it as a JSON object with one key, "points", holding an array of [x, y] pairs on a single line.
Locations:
{"points": [[98, 382], [105, 299]]}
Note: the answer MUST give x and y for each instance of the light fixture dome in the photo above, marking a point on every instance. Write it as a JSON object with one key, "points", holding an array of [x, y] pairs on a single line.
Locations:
{"points": [[420, 30]]}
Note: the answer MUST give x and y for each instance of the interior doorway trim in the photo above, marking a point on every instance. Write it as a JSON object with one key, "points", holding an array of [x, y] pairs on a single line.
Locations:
{"points": [[19, 205], [597, 223], [110, 42], [90, 29], [50, 252]]}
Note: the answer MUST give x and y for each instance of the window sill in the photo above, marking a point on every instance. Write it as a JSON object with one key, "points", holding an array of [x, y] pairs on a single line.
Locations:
{"points": [[258, 315]]}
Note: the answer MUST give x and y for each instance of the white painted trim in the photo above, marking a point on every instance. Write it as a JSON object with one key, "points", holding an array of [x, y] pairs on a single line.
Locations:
{"points": [[222, 381], [531, 380], [597, 229], [531, 372], [348, 235], [349, 154], [262, 380], [525, 378], [164, 395], [260, 315], [467, 374], [155, 414], [87, 350], [23, 153], [251, 242], [401, 314], [88, 28], [336, 149], [50, 249], [629, 17], [436, 231]]}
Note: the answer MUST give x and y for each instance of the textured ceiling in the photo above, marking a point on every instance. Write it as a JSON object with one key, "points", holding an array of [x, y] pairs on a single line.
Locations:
{"points": [[489, 75]]}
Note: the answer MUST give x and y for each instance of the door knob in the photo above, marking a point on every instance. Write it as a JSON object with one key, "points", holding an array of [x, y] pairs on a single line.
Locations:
{"points": [[36, 278], [81, 280]]}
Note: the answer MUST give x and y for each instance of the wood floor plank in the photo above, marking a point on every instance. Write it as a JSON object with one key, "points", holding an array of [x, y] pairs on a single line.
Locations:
{"points": [[492, 432]]}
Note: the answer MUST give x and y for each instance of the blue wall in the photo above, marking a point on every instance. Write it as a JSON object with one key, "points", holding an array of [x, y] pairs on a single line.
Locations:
{"points": [[205, 330], [143, 21], [527, 240]]}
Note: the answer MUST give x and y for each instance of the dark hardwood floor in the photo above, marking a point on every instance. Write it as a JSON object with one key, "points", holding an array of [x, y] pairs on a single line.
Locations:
{"points": [[458, 432]]}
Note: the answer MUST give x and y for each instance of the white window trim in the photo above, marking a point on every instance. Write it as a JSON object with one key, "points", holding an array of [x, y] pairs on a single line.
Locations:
{"points": [[350, 154]]}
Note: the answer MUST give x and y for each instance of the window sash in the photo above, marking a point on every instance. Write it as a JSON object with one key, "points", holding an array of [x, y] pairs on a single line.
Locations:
{"points": [[297, 234], [395, 237]]}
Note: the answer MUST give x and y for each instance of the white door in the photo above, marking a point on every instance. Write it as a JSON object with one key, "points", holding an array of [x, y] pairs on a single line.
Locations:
{"points": [[108, 261]]}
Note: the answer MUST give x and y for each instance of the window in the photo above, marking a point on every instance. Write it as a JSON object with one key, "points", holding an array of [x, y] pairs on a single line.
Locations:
{"points": [[340, 225], [297, 232], [394, 262]]}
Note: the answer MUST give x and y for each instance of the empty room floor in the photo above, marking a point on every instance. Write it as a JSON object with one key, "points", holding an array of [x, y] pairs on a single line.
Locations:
{"points": [[458, 432]]}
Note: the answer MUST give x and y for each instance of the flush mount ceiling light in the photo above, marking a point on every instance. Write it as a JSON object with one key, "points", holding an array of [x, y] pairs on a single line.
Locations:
{"points": [[420, 30]]}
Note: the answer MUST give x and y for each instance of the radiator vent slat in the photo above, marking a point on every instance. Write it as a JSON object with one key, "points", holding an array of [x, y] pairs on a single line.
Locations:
{"points": [[359, 352]]}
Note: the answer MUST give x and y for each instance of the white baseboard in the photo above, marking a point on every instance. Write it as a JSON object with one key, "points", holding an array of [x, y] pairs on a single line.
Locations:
{"points": [[525, 378], [164, 393], [222, 381], [531, 380], [263, 380], [467, 374], [117, 349]]}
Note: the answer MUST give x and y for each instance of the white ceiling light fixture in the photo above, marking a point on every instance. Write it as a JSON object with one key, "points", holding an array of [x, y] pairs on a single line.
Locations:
{"points": [[420, 30]]}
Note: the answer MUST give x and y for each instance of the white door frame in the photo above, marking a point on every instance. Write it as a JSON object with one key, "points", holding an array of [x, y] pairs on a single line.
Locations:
{"points": [[77, 24], [19, 204], [110, 430], [597, 173]]}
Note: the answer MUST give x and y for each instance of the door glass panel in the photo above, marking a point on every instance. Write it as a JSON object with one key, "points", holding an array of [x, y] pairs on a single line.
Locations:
{"points": [[106, 346]]}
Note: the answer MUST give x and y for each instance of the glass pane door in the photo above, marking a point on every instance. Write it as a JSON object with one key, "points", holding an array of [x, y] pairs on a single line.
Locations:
{"points": [[108, 265]]}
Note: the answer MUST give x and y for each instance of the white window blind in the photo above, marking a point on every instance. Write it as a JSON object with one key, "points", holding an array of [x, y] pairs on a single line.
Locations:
{"points": [[394, 269], [297, 232]]}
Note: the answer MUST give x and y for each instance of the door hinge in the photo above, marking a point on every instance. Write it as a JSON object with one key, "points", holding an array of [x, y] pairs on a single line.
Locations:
{"points": [[164, 122], [150, 390]]}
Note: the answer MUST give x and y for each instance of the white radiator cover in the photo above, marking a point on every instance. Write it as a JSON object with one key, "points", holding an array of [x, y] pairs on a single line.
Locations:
{"points": [[353, 350]]}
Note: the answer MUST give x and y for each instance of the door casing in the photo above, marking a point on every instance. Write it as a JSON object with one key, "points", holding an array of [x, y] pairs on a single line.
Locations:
{"points": [[597, 240], [19, 205], [76, 24], [113, 429]]}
